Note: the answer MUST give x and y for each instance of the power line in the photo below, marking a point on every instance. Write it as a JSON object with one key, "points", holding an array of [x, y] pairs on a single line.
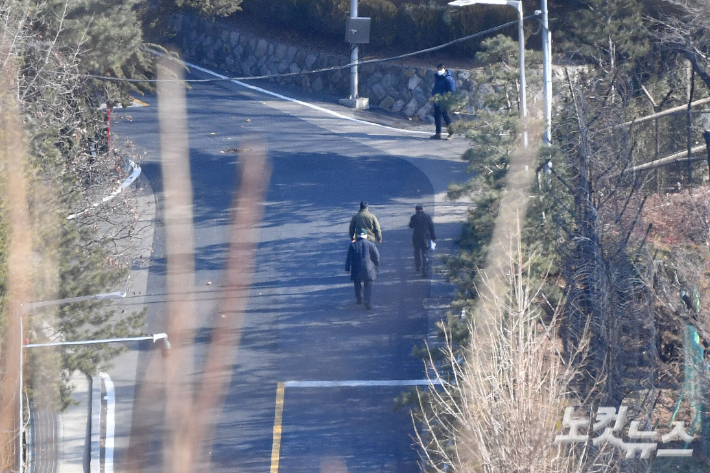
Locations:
{"points": [[315, 71]]}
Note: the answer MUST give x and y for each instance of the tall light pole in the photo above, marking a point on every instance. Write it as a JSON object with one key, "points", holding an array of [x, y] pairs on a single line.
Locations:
{"points": [[22, 308], [518, 5], [357, 31], [547, 71], [354, 49]]}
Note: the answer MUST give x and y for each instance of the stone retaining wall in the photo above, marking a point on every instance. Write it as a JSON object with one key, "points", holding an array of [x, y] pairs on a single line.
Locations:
{"points": [[396, 88]]}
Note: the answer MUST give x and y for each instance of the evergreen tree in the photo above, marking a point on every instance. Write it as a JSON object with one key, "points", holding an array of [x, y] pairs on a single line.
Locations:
{"points": [[53, 44], [611, 34]]}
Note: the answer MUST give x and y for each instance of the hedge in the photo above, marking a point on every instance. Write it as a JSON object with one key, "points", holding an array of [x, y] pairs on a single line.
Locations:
{"points": [[395, 23]]}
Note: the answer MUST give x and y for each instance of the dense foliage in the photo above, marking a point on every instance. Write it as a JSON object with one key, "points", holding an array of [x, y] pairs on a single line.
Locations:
{"points": [[622, 292], [46, 49]]}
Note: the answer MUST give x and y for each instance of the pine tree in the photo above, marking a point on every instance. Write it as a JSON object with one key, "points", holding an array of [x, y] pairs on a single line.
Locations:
{"points": [[53, 45], [611, 34]]}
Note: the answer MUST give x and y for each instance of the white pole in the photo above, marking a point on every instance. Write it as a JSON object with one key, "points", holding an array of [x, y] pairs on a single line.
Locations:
{"points": [[547, 72], [523, 101], [92, 342], [353, 56]]}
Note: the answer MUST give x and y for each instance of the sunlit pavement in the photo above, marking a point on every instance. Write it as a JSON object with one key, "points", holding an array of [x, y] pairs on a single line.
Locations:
{"points": [[302, 323]]}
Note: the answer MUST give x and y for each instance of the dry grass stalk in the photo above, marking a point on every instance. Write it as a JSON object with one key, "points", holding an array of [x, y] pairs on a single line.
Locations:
{"points": [[13, 160], [180, 249], [498, 410], [513, 204], [189, 413]]}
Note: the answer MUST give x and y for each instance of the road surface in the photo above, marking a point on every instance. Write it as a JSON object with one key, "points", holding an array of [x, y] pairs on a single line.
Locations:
{"points": [[302, 323]]}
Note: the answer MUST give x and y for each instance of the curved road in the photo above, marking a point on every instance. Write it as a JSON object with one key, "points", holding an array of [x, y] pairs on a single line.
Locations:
{"points": [[302, 324]]}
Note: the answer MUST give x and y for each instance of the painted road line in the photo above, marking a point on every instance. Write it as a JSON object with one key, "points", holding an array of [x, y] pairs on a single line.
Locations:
{"points": [[300, 102], [281, 389], [357, 384], [278, 419], [139, 102], [110, 423]]}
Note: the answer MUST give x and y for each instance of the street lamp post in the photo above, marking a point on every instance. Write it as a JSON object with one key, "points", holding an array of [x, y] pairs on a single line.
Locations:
{"points": [[22, 308], [518, 5], [547, 71], [353, 56]]}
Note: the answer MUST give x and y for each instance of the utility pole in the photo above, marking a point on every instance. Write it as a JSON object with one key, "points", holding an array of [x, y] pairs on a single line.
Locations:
{"points": [[354, 51], [547, 71], [357, 31]]}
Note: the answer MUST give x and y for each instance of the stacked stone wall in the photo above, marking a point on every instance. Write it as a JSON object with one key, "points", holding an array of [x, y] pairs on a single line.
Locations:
{"points": [[400, 89]]}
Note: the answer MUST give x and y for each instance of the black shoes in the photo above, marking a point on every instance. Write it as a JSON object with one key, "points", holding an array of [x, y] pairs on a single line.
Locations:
{"points": [[367, 304], [437, 136]]}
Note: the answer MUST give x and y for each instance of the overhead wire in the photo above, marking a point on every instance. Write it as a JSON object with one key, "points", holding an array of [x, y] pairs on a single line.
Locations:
{"points": [[300, 73]]}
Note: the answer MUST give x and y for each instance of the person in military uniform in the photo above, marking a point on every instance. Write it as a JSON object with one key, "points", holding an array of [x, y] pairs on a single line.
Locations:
{"points": [[366, 220]]}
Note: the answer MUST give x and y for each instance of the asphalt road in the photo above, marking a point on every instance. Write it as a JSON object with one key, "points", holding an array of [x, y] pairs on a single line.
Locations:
{"points": [[302, 324]]}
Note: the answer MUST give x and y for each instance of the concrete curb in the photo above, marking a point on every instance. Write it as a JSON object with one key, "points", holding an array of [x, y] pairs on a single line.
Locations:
{"points": [[75, 429], [95, 421], [135, 172]]}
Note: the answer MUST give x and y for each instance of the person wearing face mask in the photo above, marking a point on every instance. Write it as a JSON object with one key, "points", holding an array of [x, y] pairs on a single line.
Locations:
{"points": [[443, 83]]}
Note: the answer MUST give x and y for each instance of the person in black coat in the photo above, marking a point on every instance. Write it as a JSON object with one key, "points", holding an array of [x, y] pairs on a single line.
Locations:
{"points": [[363, 264], [422, 237], [443, 83]]}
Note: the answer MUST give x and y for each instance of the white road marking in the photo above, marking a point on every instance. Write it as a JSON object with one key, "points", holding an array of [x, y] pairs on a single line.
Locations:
{"points": [[110, 423], [361, 383], [305, 104]]}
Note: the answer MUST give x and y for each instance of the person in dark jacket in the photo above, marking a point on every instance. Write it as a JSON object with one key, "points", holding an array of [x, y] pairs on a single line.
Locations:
{"points": [[422, 237], [443, 83], [363, 264]]}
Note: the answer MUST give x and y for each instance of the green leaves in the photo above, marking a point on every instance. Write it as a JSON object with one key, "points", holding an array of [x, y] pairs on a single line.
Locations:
{"points": [[606, 32]]}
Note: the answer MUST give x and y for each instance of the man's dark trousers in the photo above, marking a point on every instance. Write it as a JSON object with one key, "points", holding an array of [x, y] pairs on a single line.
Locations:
{"points": [[438, 113], [358, 290], [421, 259], [362, 263]]}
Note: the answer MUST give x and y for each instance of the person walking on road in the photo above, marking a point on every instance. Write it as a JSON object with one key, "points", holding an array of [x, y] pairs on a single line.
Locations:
{"points": [[443, 83], [363, 264], [422, 238], [367, 220]]}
